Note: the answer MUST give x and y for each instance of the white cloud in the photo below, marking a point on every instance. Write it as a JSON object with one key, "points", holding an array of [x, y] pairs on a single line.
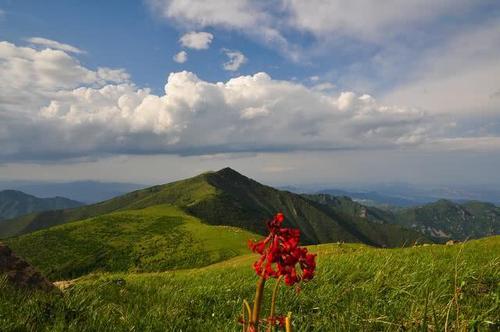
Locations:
{"points": [[51, 107], [180, 57], [236, 60], [196, 40], [231, 14], [269, 22], [54, 45]]}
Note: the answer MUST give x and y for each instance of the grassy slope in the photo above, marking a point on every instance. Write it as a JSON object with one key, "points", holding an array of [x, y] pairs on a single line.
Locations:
{"points": [[357, 288], [154, 239]]}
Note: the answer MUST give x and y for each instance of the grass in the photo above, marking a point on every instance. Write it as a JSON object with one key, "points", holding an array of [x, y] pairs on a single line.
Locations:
{"points": [[357, 288], [158, 238]]}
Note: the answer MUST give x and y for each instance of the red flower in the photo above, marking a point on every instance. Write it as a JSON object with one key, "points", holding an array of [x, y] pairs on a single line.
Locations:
{"points": [[280, 254]]}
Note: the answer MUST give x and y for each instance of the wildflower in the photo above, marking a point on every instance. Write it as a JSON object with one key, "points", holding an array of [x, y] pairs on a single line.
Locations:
{"points": [[280, 258], [280, 254]]}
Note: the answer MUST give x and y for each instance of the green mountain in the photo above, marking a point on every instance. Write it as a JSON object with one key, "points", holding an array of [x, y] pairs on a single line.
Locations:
{"points": [[229, 198], [440, 221], [15, 203], [443, 220]]}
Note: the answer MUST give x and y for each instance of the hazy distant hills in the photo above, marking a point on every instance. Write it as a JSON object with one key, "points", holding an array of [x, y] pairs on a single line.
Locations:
{"points": [[15, 203], [374, 198], [229, 198], [81, 191], [406, 195]]}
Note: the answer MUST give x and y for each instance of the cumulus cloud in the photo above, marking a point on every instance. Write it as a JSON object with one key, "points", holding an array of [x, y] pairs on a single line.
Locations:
{"points": [[196, 40], [54, 45], [51, 107], [236, 60], [180, 57]]}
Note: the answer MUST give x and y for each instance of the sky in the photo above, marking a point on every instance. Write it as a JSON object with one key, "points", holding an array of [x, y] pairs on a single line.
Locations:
{"points": [[285, 91]]}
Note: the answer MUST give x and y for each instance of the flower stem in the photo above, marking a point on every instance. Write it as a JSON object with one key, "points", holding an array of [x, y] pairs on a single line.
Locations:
{"points": [[273, 303], [258, 303], [288, 323]]}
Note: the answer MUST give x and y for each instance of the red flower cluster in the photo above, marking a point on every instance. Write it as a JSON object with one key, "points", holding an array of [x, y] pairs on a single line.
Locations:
{"points": [[280, 254]]}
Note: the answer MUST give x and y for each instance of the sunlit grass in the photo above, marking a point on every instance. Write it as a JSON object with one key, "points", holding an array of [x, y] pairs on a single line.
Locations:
{"points": [[158, 238], [357, 288]]}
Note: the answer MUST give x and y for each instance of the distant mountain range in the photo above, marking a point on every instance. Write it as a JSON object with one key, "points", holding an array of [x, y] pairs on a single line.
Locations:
{"points": [[373, 198], [81, 191], [404, 195], [15, 203]]}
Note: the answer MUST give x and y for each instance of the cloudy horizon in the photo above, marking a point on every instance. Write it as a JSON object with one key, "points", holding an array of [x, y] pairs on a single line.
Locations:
{"points": [[288, 92]]}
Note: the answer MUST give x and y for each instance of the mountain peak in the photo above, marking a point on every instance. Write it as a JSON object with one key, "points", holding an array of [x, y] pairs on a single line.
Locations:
{"points": [[228, 171]]}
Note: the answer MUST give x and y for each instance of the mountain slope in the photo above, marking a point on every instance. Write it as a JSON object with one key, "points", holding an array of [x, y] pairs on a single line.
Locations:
{"points": [[448, 220], [440, 221], [229, 198], [15, 203], [158, 238]]}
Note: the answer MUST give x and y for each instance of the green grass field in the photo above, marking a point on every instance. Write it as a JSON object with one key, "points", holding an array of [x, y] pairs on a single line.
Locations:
{"points": [[158, 238], [357, 288]]}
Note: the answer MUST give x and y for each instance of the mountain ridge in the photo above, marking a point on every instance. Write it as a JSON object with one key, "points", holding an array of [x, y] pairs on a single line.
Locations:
{"points": [[227, 197]]}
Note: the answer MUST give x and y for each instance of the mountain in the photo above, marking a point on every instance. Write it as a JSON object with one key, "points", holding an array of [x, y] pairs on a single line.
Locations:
{"points": [[441, 220], [445, 219], [81, 191], [15, 203], [352, 208], [231, 199], [374, 198]]}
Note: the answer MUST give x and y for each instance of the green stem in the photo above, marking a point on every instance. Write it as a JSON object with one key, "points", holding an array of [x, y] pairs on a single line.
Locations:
{"points": [[273, 302]]}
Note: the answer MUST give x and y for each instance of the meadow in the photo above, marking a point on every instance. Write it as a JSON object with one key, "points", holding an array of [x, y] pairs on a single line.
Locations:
{"points": [[357, 288]]}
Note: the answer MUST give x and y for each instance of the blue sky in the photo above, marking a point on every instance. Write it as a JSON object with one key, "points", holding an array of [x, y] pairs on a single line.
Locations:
{"points": [[84, 88]]}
